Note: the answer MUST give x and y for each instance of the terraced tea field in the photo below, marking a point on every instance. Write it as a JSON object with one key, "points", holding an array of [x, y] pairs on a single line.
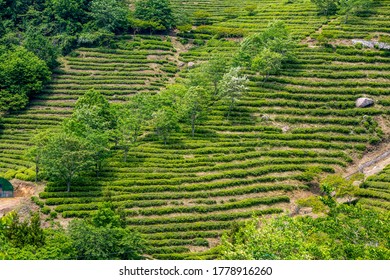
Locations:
{"points": [[184, 195], [142, 64], [375, 192]]}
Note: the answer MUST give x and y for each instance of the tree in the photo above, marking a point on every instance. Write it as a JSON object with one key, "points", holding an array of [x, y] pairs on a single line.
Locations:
{"points": [[232, 87], [20, 234], [267, 62], [215, 68], [70, 10], [95, 121], [139, 25], [104, 238], [194, 105], [158, 11], [132, 116], [110, 15], [36, 152], [326, 7], [353, 7], [165, 121], [95, 111], [275, 37], [66, 157], [22, 74], [182, 18], [42, 47]]}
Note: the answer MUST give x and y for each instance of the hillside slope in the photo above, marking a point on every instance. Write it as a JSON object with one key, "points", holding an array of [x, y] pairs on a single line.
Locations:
{"points": [[183, 195]]}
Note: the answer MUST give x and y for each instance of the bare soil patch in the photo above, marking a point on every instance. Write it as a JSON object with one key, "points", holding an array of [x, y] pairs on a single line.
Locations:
{"points": [[21, 203]]}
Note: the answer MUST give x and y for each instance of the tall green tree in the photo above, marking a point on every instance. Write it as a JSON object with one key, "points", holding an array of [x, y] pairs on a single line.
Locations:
{"points": [[158, 11], [215, 68], [103, 238], [233, 85], [42, 47], [94, 120], [22, 74], [95, 111], [165, 121], [132, 117], [326, 7], [275, 37], [36, 152], [66, 157], [194, 105], [111, 15], [267, 62]]}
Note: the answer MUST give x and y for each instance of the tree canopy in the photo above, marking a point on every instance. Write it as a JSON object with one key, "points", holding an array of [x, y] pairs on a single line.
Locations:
{"points": [[22, 74], [158, 11]]}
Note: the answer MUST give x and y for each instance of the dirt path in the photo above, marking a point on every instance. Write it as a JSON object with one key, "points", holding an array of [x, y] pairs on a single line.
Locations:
{"points": [[312, 43], [22, 201], [180, 48], [371, 163]]}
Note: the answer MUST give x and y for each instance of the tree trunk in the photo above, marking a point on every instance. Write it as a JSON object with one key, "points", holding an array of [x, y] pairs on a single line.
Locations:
{"points": [[230, 107], [68, 185], [36, 173], [215, 89], [126, 151], [193, 125], [97, 169]]}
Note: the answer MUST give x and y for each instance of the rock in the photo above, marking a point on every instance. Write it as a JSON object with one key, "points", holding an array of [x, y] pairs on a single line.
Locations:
{"points": [[371, 44], [191, 64], [364, 102], [181, 64], [265, 118]]}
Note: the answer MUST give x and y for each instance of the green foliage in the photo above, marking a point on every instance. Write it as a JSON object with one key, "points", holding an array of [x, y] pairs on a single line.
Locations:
{"points": [[94, 121], [313, 202], [342, 187], [164, 122], [42, 47], [267, 62], [22, 74], [157, 11], [265, 52], [66, 157], [326, 7], [131, 118], [103, 239], [350, 233], [36, 152], [194, 104], [110, 15], [21, 234], [215, 69], [233, 85], [93, 110]]}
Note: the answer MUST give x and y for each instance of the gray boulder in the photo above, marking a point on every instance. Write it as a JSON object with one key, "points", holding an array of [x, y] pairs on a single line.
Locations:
{"points": [[191, 64], [364, 102]]}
